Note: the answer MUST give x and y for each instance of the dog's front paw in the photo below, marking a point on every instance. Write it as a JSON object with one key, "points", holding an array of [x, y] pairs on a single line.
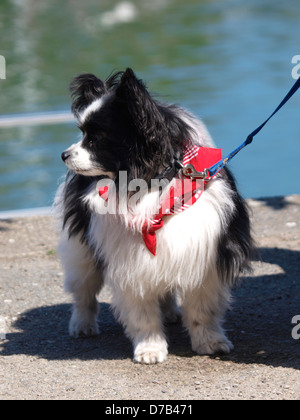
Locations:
{"points": [[150, 356], [150, 353], [211, 342], [214, 347], [83, 326]]}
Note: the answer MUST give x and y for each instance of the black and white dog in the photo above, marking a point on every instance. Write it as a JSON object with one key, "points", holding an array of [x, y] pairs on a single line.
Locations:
{"points": [[199, 252]]}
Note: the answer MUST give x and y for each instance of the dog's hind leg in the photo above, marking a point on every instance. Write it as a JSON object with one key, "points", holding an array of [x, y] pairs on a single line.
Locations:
{"points": [[170, 311], [203, 310], [141, 319], [83, 278]]}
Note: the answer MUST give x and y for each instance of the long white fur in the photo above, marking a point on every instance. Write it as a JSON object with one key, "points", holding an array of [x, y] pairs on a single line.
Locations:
{"points": [[185, 263], [93, 107]]}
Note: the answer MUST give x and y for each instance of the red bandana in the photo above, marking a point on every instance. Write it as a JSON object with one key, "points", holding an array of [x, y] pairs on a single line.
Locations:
{"points": [[183, 193]]}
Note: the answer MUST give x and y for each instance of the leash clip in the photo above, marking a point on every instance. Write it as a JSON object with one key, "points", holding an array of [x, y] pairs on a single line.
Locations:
{"points": [[190, 171]]}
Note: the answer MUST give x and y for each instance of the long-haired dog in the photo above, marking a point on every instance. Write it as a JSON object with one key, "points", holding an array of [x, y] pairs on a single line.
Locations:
{"points": [[196, 253]]}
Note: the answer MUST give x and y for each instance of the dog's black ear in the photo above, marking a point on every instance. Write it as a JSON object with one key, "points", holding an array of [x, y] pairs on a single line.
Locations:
{"points": [[142, 108], [85, 88]]}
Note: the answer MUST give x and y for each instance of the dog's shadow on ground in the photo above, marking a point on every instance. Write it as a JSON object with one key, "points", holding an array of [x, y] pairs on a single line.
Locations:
{"points": [[43, 332], [259, 325]]}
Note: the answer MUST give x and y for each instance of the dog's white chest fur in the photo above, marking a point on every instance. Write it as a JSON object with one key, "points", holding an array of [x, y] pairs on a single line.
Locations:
{"points": [[185, 246]]}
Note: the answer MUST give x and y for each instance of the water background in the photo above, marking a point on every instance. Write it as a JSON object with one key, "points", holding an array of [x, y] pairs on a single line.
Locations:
{"points": [[228, 61]]}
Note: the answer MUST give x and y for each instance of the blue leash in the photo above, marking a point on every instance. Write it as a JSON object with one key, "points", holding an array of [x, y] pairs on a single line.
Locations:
{"points": [[214, 169]]}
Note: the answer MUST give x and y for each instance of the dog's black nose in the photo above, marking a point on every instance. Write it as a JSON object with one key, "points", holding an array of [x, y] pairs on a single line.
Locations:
{"points": [[65, 156]]}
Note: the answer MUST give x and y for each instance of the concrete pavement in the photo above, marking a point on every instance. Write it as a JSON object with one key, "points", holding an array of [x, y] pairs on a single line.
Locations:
{"points": [[38, 360]]}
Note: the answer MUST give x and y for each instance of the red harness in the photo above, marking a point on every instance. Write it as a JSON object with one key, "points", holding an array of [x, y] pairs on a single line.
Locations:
{"points": [[184, 192]]}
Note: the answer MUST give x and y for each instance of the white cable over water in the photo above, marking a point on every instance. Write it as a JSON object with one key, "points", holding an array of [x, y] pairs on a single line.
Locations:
{"points": [[43, 118]]}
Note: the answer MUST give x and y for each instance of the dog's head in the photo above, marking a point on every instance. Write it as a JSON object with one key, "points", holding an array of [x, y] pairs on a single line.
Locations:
{"points": [[123, 128]]}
